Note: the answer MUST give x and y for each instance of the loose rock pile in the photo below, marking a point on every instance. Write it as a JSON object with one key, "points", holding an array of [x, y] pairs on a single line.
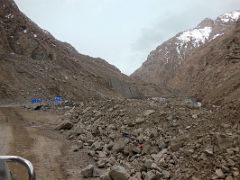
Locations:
{"points": [[156, 139]]}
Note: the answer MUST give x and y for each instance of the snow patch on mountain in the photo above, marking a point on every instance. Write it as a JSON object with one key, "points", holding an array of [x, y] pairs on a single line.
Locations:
{"points": [[217, 35], [9, 16], [230, 17], [198, 36], [185, 41]]}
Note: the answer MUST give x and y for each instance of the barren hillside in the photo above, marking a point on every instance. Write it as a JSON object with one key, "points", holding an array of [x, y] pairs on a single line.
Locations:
{"points": [[162, 63], [35, 64], [212, 73]]}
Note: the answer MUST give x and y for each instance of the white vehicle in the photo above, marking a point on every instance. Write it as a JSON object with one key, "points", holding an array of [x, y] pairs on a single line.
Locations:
{"points": [[5, 173]]}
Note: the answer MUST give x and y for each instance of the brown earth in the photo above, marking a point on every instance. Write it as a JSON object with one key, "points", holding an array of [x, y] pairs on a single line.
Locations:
{"points": [[31, 134], [41, 147]]}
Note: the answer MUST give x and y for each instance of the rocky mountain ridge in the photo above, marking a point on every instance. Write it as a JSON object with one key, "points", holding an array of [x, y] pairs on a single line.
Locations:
{"points": [[212, 72], [35, 64], [162, 63]]}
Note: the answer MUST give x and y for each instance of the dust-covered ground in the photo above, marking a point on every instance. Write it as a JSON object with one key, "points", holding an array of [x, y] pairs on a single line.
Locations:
{"points": [[31, 134]]}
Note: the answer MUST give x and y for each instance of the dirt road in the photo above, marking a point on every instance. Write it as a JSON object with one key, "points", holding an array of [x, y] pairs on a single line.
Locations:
{"points": [[24, 133]]}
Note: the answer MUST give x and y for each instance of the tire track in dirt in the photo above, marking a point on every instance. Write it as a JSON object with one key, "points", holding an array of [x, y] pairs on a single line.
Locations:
{"points": [[37, 145], [5, 135]]}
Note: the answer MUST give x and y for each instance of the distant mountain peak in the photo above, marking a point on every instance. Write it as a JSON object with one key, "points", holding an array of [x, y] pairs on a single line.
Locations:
{"points": [[206, 22], [163, 62], [198, 36], [8, 4], [202, 32], [229, 17]]}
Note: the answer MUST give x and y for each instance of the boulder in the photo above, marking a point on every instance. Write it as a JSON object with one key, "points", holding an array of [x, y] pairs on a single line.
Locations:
{"points": [[148, 163], [195, 178], [88, 171], [66, 125], [229, 178], [96, 172], [120, 144], [158, 156], [166, 174], [102, 162], [140, 120], [135, 149], [137, 176], [148, 112], [219, 173], [36, 108], [151, 175], [118, 173], [97, 146], [209, 150], [105, 177], [75, 148]]}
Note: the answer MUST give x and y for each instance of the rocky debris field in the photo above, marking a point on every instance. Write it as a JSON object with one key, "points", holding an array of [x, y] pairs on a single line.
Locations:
{"points": [[158, 138]]}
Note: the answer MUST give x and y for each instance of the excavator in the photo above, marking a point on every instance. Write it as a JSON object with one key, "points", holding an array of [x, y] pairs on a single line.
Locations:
{"points": [[5, 172]]}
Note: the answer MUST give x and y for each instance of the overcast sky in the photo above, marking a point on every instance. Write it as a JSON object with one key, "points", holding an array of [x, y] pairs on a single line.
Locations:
{"points": [[121, 31]]}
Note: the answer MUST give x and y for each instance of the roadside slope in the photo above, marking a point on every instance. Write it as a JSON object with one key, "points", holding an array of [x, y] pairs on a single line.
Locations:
{"points": [[35, 64]]}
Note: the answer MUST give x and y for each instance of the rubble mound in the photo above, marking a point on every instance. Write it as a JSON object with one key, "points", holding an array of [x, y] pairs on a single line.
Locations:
{"points": [[159, 138]]}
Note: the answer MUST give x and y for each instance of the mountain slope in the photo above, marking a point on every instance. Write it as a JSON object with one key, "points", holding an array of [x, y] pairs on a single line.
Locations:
{"points": [[34, 64], [212, 73], [162, 63]]}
